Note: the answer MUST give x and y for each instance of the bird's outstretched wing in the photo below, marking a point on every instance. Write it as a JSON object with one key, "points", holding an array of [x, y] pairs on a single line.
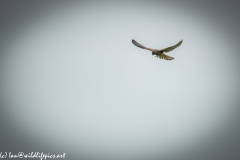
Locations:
{"points": [[140, 46], [171, 48], [164, 56]]}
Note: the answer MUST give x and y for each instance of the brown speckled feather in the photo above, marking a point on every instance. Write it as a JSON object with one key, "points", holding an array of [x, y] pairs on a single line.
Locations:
{"points": [[140, 46], [171, 48]]}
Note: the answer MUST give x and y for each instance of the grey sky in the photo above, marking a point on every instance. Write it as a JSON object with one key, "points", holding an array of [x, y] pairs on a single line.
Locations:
{"points": [[73, 81]]}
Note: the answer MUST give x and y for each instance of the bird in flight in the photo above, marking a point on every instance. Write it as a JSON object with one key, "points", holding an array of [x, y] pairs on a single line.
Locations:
{"points": [[159, 53]]}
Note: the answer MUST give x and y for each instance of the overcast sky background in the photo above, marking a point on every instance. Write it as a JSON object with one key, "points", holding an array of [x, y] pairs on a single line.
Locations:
{"points": [[72, 81]]}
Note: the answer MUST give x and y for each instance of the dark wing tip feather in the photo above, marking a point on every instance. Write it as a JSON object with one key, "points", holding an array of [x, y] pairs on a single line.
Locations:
{"points": [[179, 43], [138, 45], [172, 47]]}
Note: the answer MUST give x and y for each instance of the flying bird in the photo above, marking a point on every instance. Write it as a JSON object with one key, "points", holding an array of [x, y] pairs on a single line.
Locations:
{"points": [[159, 53]]}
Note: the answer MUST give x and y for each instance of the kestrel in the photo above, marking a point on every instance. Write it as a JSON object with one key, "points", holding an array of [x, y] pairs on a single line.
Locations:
{"points": [[159, 53]]}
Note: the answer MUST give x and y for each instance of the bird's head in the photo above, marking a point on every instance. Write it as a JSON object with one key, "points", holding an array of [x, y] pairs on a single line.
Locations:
{"points": [[154, 52]]}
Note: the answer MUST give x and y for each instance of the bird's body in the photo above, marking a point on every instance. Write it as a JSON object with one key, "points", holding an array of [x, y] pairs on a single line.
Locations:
{"points": [[156, 52], [159, 53]]}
